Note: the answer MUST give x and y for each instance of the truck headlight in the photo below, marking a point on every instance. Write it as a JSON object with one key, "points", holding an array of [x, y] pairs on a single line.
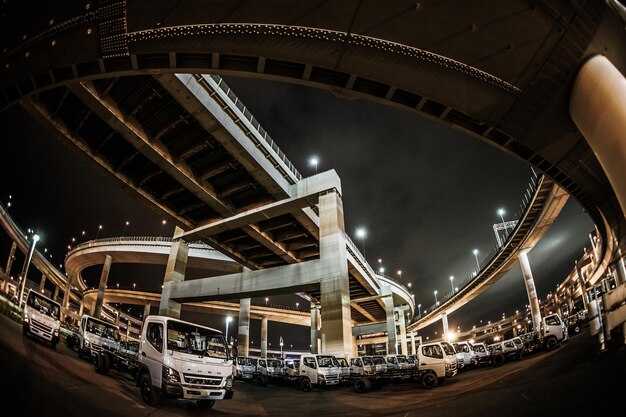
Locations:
{"points": [[56, 332], [170, 375], [86, 343], [229, 382], [321, 377]]}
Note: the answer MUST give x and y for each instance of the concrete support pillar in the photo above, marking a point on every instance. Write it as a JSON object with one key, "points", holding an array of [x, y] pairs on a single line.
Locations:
{"points": [[533, 300], [401, 323], [56, 293], [146, 311], [315, 328], [444, 323], [413, 347], [66, 297], [264, 337], [10, 260], [243, 335], [334, 287], [117, 317], [80, 310], [620, 271], [174, 272], [583, 285], [594, 247], [392, 341], [104, 277], [127, 329], [598, 108], [42, 283]]}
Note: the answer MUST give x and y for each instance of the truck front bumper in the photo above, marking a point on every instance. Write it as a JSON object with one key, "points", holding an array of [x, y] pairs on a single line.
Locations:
{"points": [[195, 393]]}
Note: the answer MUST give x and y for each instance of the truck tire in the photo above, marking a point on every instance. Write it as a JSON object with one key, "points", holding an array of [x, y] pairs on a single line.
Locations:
{"points": [[362, 385], [149, 395], [25, 329], [497, 360], [205, 404], [102, 363], [261, 381], [305, 384], [551, 343], [429, 380], [53, 343]]}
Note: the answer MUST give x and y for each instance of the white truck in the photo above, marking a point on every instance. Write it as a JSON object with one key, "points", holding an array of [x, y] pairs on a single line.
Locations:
{"points": [[464, 350], [436, 362], [41, 317], [96, 335], [246, 368], [317, 370], [551, 333], [183, 360], [344, 368]]}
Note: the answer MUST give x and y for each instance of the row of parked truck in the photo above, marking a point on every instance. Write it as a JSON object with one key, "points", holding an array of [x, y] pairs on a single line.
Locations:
{"points": [[180, 359]]}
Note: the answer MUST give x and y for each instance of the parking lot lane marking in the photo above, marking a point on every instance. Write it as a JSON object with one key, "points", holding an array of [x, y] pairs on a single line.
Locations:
{"points": [[526, 398]]}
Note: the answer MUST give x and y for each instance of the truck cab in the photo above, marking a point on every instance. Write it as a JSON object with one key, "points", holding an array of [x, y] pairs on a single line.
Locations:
{"points": [[246, 367], [292, 367], [552, 331], [41, 317], [396, 362], [270, 367], [481, 353], [464, 349], [183, 360], [436, 362], [344, 368], [320, 370], [96, 335], [362, 366]]}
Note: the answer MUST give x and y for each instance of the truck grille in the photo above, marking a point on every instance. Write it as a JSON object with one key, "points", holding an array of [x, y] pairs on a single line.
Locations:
{"points": [[41, 327], [202, 380]]}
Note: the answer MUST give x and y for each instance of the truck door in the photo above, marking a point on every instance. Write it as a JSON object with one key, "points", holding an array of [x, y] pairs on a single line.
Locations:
{"points": [[309, 368], [431, 357], [356, 366], [152, 351]]}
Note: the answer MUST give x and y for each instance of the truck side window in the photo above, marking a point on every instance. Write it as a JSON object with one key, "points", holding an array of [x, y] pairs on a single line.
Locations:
{"points": [[155, 335], [310, 362], [433, 351]]}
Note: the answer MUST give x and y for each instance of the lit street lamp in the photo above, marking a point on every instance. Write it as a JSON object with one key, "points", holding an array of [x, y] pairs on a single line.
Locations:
{"points": [[281, 347], [476, 257], [125, 226], [162, 224], [25, 269], [436, 302], [313, 162], [360, 233], [501, 213], [419, 310], [266, 300], [98, 232], [452, 283]]}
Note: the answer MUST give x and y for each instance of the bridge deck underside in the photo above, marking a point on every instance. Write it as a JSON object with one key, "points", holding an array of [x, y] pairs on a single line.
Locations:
{"points": [[145, 105]]}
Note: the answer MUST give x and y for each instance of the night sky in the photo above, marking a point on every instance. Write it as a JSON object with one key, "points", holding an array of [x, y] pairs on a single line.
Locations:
{"points": [[426, 194]]}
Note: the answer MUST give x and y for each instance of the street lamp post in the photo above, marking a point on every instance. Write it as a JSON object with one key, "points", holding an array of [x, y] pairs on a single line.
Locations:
{"points": [[436, 302], [125, 226], [281, 347], [452, 283], [25, 269], [419, 309], [501, 213], [266, 300], [313, 162], [476, 257], [98, 232], [162, 224]]}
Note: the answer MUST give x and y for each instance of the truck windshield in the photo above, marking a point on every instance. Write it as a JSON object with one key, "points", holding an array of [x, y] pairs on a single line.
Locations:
{"points": [[274, 363], [196, 340], [378, 360], [368, 361], [102, 329], [343, 362], [43, 305], [402, 359], [246, 362], [327, 361], [447, 348]]}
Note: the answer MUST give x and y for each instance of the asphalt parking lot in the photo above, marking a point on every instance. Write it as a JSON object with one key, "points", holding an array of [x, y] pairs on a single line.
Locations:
{"points": [[574, 380]]}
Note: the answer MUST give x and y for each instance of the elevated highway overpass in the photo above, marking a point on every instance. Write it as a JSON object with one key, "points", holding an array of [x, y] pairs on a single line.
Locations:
{"points": [[122, 82]]}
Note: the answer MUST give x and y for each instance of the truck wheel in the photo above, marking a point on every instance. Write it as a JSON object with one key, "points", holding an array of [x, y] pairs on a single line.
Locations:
{"points": [[551, 343], [497, 360], [106, 364], [262, 381], [362, 385], [148, 394], [305, 384], [53, 343], [576, 329], [25, 329], [205, 404], [429, 380]]}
